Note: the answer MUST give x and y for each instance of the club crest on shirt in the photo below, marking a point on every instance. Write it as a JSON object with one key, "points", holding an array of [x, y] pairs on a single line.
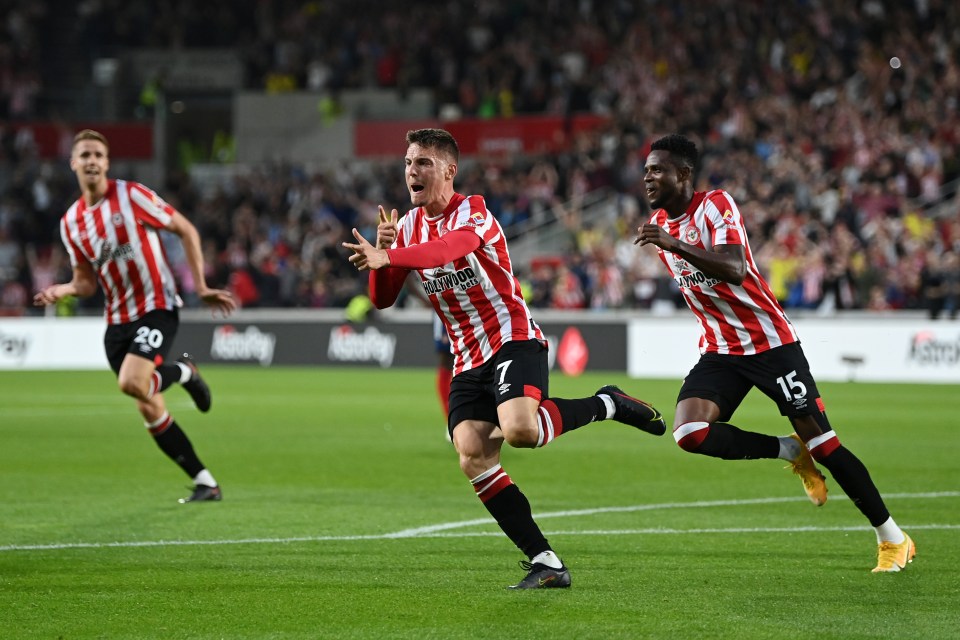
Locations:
{"points": [[693, 235], [116, 219]]}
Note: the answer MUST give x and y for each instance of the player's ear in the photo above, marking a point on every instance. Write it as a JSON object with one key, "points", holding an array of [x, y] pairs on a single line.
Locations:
{"points": [[451, 171]]}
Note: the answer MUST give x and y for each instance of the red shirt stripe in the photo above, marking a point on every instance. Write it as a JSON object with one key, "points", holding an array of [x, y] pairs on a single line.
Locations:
{"points": [[478, 296], [119, 237], [739, 319]]}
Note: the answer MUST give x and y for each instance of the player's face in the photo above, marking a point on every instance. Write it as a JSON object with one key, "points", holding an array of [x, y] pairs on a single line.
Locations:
{"points": [[90, 162], [427, 173], [661, 179]]}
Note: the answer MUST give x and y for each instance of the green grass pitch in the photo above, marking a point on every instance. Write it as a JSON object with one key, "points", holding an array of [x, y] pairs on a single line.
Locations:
{"points": [[345, 515]]}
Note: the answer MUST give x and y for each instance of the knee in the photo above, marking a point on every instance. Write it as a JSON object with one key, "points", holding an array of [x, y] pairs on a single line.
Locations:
{"points": [[474, 463], [469, 465], [473, 456], [690, 435], [520, 433], [133, 387]]}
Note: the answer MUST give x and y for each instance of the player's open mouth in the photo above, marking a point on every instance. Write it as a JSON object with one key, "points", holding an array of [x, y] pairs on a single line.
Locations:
{"points": [[416, 188]]}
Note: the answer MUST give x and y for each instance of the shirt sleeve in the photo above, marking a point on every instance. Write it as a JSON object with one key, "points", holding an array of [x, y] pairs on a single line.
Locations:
{"points": [[723, 218], [149, 208], [72, 249], [456, 244], [385, 285]]}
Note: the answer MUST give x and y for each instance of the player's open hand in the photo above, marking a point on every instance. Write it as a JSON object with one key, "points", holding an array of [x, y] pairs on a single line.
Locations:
{"points": [[366, 256], [219, 300], [48, 296], [387, 229]]}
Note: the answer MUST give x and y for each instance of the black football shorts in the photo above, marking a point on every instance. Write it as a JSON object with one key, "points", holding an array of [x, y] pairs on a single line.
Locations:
{"points": [[781, 373], [149, 337], [518, 369]]}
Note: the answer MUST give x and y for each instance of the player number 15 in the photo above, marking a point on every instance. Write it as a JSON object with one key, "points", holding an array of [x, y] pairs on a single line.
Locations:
{"points": [[788, 384]]}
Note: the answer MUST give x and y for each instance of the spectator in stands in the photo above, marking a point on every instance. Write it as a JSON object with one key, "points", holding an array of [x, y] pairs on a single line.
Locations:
{"points": [[832, 133], [939, 278]]}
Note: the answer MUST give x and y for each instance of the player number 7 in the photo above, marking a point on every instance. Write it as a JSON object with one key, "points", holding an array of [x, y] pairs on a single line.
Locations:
{"points": [[502, 367]]}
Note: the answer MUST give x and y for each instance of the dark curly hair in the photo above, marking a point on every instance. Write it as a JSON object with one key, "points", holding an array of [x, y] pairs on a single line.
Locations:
{"points": [[682, 149]]}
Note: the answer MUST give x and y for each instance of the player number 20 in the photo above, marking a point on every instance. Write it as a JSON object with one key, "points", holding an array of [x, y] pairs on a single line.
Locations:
{"points": [[152, 337]]}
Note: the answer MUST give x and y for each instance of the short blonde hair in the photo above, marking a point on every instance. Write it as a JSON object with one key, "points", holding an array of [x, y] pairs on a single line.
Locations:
{"points": [[90, 134]]}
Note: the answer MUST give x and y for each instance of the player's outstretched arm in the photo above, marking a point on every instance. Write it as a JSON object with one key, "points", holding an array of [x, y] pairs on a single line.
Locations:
{"points": [[83, 284], [219, 300]]}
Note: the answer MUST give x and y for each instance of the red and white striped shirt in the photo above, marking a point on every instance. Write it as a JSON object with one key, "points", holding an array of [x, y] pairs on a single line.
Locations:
{"points": [[118, 237], [740, 319], [477, 297]]}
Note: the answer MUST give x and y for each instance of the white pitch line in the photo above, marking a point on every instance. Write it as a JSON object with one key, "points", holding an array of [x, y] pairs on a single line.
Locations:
{"points": [[80, 411], [672, 532], [473, 534], [437, 531], [419, 531]]}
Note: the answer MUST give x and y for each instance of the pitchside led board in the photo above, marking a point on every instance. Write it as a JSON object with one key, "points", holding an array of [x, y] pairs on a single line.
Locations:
{"points": [[394, 343], [853, 347]]}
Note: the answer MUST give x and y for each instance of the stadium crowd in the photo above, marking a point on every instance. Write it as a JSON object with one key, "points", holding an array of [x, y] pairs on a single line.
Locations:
{"points": [[835, 125]]}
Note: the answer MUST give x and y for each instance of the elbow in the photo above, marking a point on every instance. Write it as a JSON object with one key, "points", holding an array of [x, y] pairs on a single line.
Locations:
{"points": [[736, 273], [381, 302], [85, 289]]}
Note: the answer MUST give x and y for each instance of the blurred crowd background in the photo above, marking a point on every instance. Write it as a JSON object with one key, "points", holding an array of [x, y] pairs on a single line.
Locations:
{"points": [[834, 125]]}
